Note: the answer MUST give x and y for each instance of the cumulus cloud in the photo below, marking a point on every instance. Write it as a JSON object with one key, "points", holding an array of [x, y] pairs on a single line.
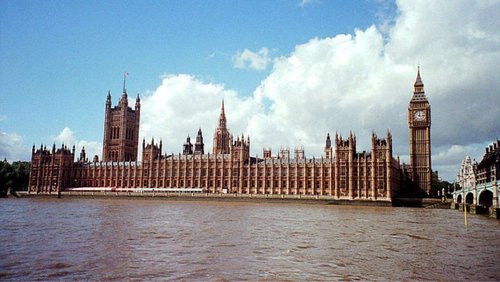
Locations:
{"points": [[67, 137], [12, 147], [361, 82], [448, 158], [252, 60], [184, 103]]}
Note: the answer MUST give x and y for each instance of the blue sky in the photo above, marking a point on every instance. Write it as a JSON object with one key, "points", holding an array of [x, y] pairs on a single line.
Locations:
{"points": [[58, 59]]}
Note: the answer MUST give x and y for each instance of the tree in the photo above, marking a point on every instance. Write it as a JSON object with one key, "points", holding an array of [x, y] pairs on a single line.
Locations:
{"points": [[21, 175], [439, 185], [13, 176]]}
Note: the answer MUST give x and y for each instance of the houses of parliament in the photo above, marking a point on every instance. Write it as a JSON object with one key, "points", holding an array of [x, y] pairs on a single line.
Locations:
{"points": [[342, 172]]}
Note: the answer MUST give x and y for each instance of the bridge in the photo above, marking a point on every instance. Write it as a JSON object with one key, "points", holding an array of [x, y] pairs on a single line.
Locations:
{"points": [[479, 198], [479, 184]]}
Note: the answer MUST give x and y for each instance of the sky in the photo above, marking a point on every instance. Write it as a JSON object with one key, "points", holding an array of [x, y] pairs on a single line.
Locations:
{"points": [[289, 71]]}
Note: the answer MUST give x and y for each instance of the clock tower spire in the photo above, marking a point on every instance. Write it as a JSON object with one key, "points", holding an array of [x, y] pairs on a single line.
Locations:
{"points": [[419, 123]]}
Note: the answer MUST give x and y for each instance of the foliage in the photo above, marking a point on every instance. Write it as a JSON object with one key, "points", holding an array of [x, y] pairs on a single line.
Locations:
{"points": [[438, 185], [14, 176]]}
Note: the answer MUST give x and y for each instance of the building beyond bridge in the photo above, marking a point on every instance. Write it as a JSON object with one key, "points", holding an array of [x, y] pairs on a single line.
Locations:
{"points": [[342, 172], [479, 183]]}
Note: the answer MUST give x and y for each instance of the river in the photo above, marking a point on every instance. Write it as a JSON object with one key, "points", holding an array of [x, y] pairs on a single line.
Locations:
{"points": [[122, 239]]}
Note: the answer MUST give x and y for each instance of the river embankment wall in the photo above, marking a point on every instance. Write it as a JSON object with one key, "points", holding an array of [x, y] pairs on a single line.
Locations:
{"points": [[279, 198]]}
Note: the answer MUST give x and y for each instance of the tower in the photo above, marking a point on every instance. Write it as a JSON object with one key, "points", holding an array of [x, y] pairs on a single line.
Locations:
{"points": [[241, 149], [221, 136], [328, 147], [187, 147], [199, 146], [121, 129], [419, 123]]}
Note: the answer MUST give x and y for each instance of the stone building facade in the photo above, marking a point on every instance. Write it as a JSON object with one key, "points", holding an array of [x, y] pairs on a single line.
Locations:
{"points": [[342, 172], [479, 183], [51, 170]]}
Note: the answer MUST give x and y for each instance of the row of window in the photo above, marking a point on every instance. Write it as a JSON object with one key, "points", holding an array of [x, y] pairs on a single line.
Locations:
{"points": [[114, 133], [236, 172]]}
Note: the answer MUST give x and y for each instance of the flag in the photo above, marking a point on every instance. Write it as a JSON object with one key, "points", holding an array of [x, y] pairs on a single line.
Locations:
{"points": [[126, 74]]}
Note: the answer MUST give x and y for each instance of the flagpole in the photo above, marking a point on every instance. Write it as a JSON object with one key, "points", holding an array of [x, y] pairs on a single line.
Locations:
{"points": [[465, 215], [125, 74]]}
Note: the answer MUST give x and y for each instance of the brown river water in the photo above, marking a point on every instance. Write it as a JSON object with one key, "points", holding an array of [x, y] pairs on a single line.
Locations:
{"points": [[122, 239]]}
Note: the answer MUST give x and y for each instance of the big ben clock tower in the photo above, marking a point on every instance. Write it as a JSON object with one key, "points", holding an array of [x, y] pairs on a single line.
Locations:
{"points": [[419, 122]]}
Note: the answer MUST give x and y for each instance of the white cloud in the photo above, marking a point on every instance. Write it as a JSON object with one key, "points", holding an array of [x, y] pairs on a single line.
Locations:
{"points": [[12, 147], [67, 137], [360, 82], [448, 158], [252, 60], [182, 104], [303, 3]]}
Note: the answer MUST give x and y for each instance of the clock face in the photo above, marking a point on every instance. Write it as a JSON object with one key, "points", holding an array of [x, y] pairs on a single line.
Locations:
{"points": [[419, 115]]}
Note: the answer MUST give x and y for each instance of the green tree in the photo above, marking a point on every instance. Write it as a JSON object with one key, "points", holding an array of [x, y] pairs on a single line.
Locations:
{"points": [[13, 176], [5, 177], [21, 175], [439, 185]]}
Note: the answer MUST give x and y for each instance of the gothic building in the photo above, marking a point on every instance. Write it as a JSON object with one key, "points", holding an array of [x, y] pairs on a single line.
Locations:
{"points": [[121, 130], [342, 172], [479, 183], [222, 138], [419, 122]]}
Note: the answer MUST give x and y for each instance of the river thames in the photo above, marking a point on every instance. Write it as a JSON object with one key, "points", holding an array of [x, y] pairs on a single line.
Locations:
{"points": [[122, 239]]}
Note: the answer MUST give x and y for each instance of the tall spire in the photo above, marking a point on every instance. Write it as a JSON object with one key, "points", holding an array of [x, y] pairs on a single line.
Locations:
{"points": [[418, 89], [108, 100], [418, 81], [222, 139], [222, 117]]}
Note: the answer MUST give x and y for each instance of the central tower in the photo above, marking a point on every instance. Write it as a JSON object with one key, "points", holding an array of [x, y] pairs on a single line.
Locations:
{"points": [[121, 130], [419, 123], [221, 136]]}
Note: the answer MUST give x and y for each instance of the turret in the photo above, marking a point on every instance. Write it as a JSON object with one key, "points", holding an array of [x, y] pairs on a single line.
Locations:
{"points": [[138, 103], [150, 152], [124, 101], [108, 100], [266, 153], [83, 155], [199, 146], [187, 147], [328, 147], [240, 149], [299, 153], [284, 154]]}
